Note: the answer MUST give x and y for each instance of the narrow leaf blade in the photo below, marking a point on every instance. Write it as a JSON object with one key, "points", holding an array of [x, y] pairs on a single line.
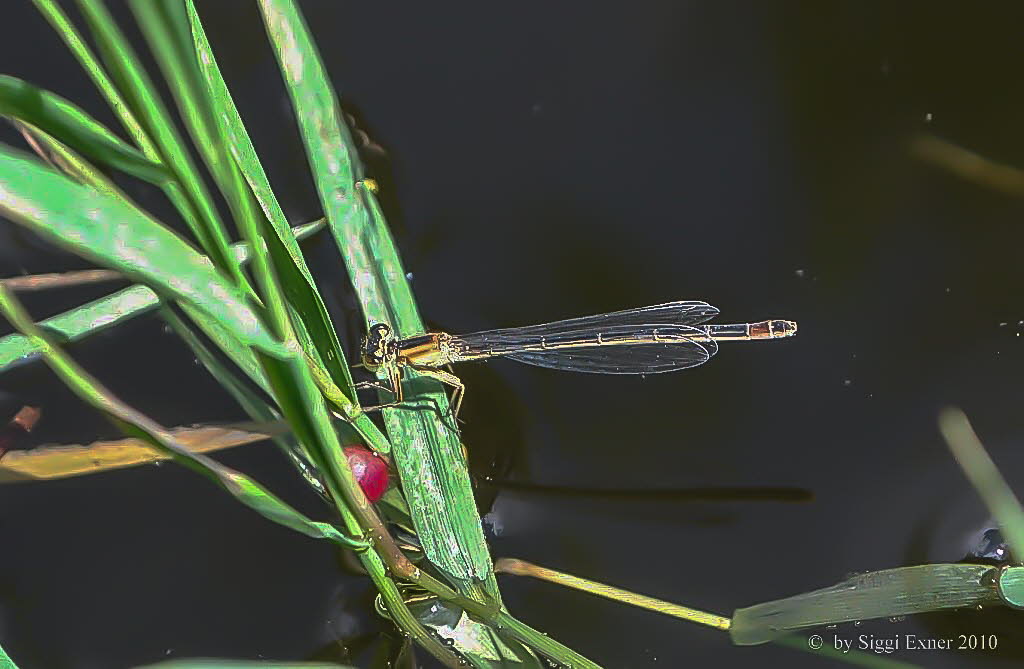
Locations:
{"points": [[104, 313], [72, 126], [90, 390], [114, 234]]}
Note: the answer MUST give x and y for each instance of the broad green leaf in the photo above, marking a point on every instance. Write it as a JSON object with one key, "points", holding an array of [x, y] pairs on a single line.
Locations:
{"points": [[876, 594], [302, 405], [430, 462], [442, 497], [72, 126], [114, 234], [429, 456], [134, 423], [108, 311]]}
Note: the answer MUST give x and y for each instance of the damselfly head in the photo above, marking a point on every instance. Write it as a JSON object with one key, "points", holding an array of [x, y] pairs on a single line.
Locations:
{"points": [[782, 328], [378, 346]]}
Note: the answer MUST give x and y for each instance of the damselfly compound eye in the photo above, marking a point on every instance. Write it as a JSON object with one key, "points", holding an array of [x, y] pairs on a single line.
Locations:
{"points": [[375, 347]]}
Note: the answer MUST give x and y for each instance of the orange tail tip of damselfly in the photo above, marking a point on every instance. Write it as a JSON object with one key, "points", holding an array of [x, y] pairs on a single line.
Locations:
{"points": [[772, 329]]}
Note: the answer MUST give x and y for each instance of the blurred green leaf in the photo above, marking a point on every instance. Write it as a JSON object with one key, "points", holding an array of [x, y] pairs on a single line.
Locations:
{"points": [[983, 474], [116, 235]]}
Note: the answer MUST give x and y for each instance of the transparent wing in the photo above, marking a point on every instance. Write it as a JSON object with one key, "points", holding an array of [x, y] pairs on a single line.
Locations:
{"points": [[670, 313], [633, 359], [611, 350]]}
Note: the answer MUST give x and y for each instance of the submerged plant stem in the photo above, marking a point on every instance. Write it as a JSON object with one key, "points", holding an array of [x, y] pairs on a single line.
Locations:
{"points": [[61, 279], [523, 568]]}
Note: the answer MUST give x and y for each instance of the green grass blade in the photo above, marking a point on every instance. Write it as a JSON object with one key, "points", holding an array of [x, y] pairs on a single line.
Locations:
{"points": [[66, 161], [72, 126], [985, 477], [254, 406], [243, 356], [313, 325], [119, 236], [91, 318], [442, 498], [288, 261], [523, 568], [91, 64], [106, 312], [428, 455], [358, 426], [165, 25], [134, 423], [66, 30], [140, 93], [877, 594], [5, 661], [304, 409]]}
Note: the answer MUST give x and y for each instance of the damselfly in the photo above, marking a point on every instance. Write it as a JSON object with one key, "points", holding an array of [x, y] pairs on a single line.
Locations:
{"points": [[648, 340]]}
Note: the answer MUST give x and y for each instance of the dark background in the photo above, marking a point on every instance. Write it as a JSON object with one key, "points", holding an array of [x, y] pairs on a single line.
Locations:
{"points": [[549, 160]]}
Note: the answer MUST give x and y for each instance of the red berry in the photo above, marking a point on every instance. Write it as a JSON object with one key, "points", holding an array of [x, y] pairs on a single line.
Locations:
{"points": [[370, 470], [18, 427]]}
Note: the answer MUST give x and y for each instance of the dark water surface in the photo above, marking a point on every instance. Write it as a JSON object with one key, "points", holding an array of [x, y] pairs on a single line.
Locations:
{"points": [[551, 160]]}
